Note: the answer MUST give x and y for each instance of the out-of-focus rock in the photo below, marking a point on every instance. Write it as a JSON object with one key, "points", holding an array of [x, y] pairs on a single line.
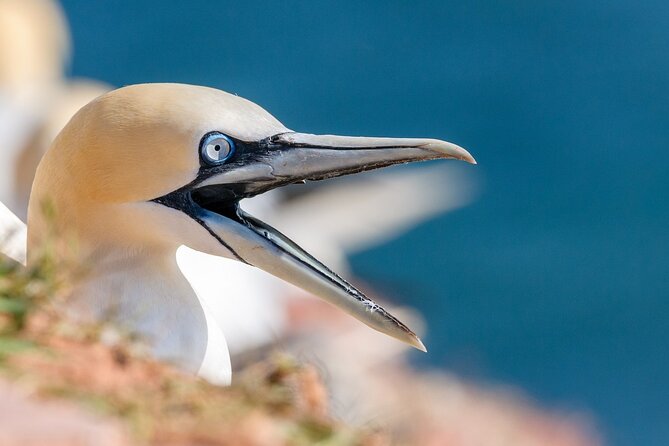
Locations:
{"points": [[370, 382], [27, 422]]}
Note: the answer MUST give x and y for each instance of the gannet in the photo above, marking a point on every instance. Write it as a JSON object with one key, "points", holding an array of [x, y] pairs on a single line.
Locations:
{"points": [[36, 99], [147, 168], [34, 43]]}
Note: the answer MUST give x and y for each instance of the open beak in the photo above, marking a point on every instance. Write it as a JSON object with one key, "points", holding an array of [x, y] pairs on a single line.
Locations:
{"points": [[285, 158]]}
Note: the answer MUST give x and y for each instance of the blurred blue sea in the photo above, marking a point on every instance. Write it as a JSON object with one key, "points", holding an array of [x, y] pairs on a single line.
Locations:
{"points": [[556, 279]]}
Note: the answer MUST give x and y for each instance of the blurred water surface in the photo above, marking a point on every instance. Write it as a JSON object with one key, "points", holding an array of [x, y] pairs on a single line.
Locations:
{"points": [[556, 279]]}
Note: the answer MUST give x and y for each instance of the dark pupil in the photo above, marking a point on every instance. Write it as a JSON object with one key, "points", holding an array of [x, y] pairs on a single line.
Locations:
{"points": [[217, 147]]}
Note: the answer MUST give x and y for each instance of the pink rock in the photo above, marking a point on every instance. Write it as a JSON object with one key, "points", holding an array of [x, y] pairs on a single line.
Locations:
{"points": [[29, 422]]}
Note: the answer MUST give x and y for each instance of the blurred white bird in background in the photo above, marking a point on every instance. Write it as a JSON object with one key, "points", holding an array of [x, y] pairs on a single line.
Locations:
{"points": [[36, 100]]}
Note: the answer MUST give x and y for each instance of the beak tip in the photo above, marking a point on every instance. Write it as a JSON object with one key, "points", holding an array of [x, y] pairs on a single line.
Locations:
{"points": [[418, 344], [450, 150], [466, 156]]}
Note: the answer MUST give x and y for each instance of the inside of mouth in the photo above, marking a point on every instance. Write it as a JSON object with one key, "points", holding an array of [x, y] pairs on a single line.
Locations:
{"points": [[219, 200]]}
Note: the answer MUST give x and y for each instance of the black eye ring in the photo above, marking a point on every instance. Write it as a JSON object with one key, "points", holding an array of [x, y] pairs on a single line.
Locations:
{"points": [[216, 148]]}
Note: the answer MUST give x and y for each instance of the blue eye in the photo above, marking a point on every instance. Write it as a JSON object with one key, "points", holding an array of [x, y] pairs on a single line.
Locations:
{"points": [[216, 148]]}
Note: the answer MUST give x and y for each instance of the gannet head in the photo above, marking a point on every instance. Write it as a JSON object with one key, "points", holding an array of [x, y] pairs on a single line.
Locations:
{"points": [[154, 166]]}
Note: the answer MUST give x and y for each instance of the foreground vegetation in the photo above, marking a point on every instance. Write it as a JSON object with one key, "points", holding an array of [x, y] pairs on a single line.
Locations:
{"points": [[274, 401], [85, 370]]}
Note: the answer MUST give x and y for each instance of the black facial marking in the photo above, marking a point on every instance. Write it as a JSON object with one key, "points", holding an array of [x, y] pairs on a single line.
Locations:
{"points": [[220, 200], [242, 152], [181, 200]]}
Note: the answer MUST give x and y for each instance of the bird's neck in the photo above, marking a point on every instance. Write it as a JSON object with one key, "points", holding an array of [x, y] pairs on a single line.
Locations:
{"points": [[146, 293]]}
